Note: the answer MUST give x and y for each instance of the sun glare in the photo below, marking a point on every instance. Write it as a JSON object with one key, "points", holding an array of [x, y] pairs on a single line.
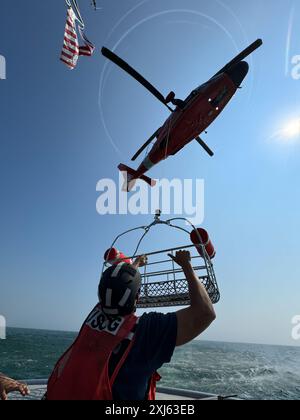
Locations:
{"points": [[289, 132], [292, 129]]}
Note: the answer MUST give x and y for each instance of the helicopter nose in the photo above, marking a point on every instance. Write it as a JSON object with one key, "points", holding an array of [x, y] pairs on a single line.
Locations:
{"points": [[238, 73]]}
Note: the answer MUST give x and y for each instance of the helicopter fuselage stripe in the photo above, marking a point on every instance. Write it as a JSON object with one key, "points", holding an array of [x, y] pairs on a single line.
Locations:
{"points": [[147, 163]]}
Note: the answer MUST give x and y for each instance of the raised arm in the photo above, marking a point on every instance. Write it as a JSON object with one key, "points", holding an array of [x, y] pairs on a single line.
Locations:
{"points": [[194, 320], [140, 262]]}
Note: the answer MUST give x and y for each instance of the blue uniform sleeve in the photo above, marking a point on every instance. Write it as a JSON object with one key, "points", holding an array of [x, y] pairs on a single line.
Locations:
{"points": [[158, 337]]}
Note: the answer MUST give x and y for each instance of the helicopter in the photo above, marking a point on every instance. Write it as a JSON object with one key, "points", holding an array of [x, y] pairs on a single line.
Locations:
{"points": [[189, 118]]}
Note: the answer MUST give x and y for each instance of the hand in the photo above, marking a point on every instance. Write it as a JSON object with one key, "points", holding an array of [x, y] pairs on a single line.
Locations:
{"points": [[8, 385], [141, 261], [182, 258]]}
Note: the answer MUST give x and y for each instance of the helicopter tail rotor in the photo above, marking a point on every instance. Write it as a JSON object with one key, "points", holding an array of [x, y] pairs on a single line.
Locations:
{"points": [[131, 176]]}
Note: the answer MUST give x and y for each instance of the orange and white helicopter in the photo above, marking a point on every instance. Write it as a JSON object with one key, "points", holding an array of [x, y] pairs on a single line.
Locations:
{"points": [[191, 116]]}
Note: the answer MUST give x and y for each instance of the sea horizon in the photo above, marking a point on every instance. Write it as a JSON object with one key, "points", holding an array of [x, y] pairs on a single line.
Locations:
{"points": [[197, 339], [248, 370]]}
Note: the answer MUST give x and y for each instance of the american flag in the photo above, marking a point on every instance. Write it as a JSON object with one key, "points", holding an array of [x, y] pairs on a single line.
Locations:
{"points": [[71, 49]]}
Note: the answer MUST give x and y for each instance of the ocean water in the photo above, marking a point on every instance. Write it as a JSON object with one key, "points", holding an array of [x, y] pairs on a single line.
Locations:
{"points": [[246, 370]]}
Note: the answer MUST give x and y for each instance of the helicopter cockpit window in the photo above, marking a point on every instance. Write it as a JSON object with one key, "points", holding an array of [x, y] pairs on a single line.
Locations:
{"points": [[192, 95], [195, 92]]}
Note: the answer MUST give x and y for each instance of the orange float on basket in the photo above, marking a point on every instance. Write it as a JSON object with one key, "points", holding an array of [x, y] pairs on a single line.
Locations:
{"points": [[114, 257], [199, 236]]}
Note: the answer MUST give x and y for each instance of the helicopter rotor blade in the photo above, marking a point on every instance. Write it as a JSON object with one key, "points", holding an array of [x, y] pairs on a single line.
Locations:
{"points": [[244, 54], [145, 145], [137, 76]]}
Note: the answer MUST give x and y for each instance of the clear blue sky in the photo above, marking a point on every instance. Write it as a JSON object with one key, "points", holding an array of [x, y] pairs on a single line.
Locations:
{"points": [[54, 149]]}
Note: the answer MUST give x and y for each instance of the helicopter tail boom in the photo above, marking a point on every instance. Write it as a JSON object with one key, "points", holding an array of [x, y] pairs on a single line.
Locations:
{"points": [[131, 176]]}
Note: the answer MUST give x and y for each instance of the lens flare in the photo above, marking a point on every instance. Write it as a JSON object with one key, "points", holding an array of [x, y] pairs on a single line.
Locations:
{"points": [[292, 129], [289, 131]]}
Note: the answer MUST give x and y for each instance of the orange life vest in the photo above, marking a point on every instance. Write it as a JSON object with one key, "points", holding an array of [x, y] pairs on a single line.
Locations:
{"points": [[82, 373]]}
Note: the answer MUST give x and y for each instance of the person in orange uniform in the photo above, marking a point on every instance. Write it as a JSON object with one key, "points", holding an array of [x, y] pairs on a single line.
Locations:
{"points": [[117, 354]]}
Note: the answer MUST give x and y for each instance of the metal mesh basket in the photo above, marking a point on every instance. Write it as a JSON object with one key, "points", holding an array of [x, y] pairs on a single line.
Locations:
{"points": [[163, 282], [163, 287]]}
